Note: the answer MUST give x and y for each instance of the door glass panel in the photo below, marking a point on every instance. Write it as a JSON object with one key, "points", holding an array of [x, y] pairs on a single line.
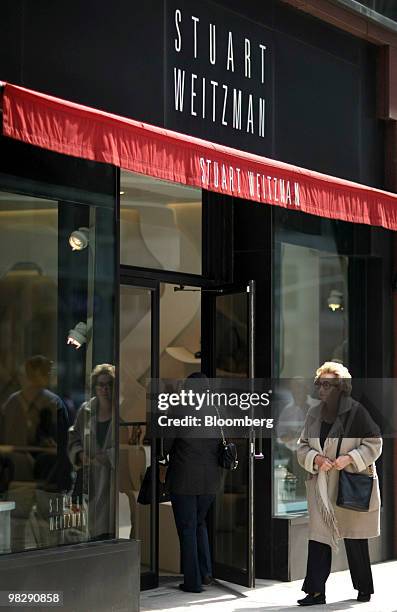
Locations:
{"points": [[231, 360], [135, 448], [180, 335], [160, 224]]}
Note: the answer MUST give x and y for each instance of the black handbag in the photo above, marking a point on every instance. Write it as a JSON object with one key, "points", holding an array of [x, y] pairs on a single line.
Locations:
{"points": [[145, 492], [227, 453], [355, 490]]}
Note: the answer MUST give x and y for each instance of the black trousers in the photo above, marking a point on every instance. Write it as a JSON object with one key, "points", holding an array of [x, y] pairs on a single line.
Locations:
{"points": [[190, 512], [319, 566]]}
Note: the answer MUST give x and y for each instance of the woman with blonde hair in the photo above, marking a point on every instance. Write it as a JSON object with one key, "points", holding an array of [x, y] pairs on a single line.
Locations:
{"points": [[324, 450], [91, 444]]}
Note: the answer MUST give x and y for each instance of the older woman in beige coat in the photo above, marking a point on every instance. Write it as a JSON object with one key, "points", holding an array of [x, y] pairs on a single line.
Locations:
{"points": [[325, 424]]}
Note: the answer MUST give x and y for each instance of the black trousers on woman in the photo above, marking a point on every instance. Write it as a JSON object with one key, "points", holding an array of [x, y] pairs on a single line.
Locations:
{"points": [[319, 566]]}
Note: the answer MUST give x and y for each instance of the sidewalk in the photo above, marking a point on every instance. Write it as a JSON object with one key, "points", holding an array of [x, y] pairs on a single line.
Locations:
{"points": [[272, 596]]}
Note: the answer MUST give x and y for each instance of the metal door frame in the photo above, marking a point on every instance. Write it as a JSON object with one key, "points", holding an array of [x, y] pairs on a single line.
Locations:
{"points": [[244, 577], [149, 579]]}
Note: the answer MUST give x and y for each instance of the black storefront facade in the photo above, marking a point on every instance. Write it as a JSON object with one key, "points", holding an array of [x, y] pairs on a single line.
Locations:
{"points": [[159, 272]]}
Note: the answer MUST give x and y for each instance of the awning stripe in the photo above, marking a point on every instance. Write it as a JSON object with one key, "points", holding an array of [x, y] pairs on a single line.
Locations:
{"points": [[80, 131]]}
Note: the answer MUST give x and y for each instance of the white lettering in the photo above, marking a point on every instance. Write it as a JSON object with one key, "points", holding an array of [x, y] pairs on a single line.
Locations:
{"points": [[178, 41], [231, 178], [263, 187], [230, 53], [203, 99], [193, 95], [237, 109], [258, 185], [251, 183], [275, 189], [261, 128], [212, 43], [224, 180], [263, 49], [297, 195], [250, 116], [247, 58], [195, 22], [288, 197], [281, 187], [216, 174], [238, 180], [224, 122], [269, 186], [179, 88], [214, 85], [202, 166]]}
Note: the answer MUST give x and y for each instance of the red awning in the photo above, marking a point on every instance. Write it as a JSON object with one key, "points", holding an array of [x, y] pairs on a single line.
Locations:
{"points": [[80, 131]]}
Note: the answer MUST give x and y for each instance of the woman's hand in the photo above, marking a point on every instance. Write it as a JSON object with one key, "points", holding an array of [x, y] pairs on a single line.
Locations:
{"points": [[82, 459], [342, 461], [324, 464]]}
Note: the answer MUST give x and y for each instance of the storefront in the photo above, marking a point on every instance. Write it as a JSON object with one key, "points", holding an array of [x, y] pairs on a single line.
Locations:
{"points": [[133, 245]]}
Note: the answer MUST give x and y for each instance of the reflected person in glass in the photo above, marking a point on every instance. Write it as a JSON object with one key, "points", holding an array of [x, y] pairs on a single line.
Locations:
{"points": [[338, 415], [296, 401], [91, 447], [34, 425]]}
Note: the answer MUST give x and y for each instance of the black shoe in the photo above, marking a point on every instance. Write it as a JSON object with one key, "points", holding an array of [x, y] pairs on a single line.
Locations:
{"points": [[187, 590], [207, 580], [312, 600], [363, 596]]}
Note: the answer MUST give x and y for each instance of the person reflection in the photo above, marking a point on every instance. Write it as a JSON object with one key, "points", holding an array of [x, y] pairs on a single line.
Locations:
{"points": [[34, 424], [296, 401], [91, 446]]}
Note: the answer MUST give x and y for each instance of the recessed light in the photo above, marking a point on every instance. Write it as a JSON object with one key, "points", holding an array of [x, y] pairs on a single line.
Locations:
{"points": [[122, 192]]}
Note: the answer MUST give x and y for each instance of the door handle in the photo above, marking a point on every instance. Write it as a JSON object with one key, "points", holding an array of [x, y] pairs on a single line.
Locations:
{"points": [[258, 452]]}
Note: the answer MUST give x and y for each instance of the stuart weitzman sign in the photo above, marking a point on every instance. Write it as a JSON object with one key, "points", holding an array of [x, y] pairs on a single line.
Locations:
{"points": [[218, 75]]}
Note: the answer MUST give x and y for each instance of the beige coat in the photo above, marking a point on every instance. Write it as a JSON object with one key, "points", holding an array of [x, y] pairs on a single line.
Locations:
{"points": [[328, 522], [82, 437]]}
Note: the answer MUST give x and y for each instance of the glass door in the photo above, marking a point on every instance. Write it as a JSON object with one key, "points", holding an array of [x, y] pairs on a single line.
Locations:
{"points": [[228, 352], [138, 360]]}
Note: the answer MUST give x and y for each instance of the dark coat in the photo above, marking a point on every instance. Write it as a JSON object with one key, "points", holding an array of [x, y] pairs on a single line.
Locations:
{"points": [[193, 467]]}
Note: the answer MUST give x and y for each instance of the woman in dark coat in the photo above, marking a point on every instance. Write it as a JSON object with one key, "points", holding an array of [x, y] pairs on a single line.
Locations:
{"points": [[193, 478]]}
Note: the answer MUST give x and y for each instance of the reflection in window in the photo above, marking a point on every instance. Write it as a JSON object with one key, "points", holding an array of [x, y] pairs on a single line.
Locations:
{"points": [[135, 449], [160, 224], [311, 326], [49, 495]]}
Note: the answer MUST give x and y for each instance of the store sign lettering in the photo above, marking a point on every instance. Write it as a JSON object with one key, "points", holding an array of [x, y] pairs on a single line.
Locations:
{"points": [[66, 513], [220, 101], [233, 180], [218, 75]]}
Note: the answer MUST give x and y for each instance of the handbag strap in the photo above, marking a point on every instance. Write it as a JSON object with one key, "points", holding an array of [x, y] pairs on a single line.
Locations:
{"points": [[346, 429], [221, 428]]}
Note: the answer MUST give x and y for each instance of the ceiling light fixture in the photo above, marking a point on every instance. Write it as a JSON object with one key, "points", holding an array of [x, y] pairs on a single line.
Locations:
{"points": [[335, 300], [78, 239]]}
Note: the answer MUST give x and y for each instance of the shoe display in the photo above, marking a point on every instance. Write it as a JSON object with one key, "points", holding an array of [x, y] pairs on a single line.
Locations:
{"points": [[187, 590], [207, 580], [363, 596], [312, 600]]}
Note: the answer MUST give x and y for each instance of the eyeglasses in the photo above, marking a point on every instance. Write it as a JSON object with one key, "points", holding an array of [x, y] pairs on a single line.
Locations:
{"points": [[103, 385], [325, 384]]}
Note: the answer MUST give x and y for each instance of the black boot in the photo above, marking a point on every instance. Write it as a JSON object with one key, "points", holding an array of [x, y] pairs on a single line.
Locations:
{"points": [[363, 596], [312, 600], [183, 587]]}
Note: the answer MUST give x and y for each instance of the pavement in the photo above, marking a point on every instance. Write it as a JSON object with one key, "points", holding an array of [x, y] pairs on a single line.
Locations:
{"points": [[272, 596]]}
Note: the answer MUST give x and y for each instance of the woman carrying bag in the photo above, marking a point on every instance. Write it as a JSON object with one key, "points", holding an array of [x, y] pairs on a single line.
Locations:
{"points": [[193, 479], [339, 435]]}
